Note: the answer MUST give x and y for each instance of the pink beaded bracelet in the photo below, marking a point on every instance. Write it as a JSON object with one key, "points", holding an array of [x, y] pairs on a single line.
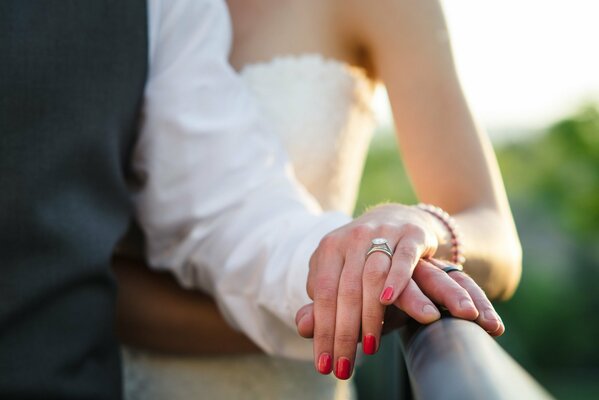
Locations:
{"points": [[457, 253]]}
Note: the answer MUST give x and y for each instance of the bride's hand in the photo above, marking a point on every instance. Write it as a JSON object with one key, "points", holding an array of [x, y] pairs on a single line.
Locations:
{"points": [[429, 274], [440, 286], [351, 290]]}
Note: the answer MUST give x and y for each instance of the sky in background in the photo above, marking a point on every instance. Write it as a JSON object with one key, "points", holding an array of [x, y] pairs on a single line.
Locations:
{"points": [[523, 63]]}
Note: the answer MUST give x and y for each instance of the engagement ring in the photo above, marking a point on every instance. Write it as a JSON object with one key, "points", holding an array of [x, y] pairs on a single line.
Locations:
{"points": [[380, 244]]}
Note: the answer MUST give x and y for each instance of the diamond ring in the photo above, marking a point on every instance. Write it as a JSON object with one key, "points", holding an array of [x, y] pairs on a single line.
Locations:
{"points": [[380, 244]]}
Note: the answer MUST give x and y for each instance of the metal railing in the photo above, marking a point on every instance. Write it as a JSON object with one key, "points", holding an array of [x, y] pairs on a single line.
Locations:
{"points": [[455, 359]]}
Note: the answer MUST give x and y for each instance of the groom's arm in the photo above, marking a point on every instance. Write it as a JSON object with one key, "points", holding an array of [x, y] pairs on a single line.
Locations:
{"points": [[154, 312], [218, 203]]}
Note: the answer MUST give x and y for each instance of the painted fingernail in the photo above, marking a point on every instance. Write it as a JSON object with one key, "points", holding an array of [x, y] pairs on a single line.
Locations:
{"points": [[431, 310], [369, 344], [466, 303], [343, 370], [387, 294], [325, 363]]}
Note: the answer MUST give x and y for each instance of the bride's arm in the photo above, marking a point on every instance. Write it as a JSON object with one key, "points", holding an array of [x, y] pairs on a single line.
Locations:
{"points": [[154, 312], [449, 160]]}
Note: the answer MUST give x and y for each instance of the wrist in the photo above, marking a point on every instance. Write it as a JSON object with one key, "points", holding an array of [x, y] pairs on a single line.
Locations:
{"points": [[449, 238]]}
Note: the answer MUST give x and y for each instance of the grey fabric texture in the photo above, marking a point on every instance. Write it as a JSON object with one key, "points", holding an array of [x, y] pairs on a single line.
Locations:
{"points": [[72, 75]]}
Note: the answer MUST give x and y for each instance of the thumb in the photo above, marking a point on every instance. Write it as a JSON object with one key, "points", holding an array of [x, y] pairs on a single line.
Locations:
{"points": [[304, 320]]}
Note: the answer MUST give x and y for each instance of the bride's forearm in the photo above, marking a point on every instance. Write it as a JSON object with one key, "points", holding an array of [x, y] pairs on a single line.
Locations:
{"points": [[493, 251], [491, 248], [449, 160], [155, 313]]}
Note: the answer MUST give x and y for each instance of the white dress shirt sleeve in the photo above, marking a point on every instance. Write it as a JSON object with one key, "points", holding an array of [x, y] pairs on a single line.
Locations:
{"points": [[218, 203]]}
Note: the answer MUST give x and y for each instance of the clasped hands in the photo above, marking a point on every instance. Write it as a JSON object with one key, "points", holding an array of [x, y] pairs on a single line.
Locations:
{"points": [[350, 291]]}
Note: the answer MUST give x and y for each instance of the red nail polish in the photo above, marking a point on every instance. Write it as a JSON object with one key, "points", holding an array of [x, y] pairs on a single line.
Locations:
{"points": [[325, 363], [387, 294], [369, 344], [343, 368]]}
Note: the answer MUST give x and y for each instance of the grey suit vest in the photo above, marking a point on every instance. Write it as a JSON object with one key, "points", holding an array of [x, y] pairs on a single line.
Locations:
{"points": [[72, 75]]}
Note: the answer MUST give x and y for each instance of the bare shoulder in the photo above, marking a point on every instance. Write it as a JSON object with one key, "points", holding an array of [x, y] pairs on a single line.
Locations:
{"points": [[409, 32], [400, 21]]}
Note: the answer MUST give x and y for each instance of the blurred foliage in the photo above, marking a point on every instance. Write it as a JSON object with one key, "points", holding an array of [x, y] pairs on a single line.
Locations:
{"points": [[559, 171], [552, 180], [553, 184]]}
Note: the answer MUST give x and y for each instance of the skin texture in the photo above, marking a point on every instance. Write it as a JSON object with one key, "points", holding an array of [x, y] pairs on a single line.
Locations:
{"points": [[404, 44], [155, 313]]}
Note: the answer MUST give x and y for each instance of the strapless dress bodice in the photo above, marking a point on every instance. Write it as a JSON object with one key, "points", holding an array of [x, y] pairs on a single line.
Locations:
{"points": [[321, 109]]}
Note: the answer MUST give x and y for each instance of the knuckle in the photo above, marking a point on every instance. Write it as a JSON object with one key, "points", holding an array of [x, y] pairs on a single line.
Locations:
{"points": [[415, 231], [325, 303], [361, 232], [351, 292], [375, 273], [346, 339], [460, 293], [406, 252], [324, 337], [372, 314], [388, 229], [325, 295], [441, 287], [410, 227], [461, 279], [327, 243], [326, 282], [467, 284]]}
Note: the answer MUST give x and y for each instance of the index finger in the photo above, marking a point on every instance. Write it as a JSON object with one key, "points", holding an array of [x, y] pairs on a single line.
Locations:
{"points": [[325, 274]]}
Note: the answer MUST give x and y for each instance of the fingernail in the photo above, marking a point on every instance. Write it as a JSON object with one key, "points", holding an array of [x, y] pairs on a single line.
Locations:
{"points": [[343, 370], [501, 324], [466, 303], [369, 344], [491, 316], [325, 363], [302, 318], [387, 294], [431, 310]]}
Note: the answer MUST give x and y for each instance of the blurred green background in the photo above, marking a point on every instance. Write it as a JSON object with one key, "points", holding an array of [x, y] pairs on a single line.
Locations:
{"points": [[552, 180]]}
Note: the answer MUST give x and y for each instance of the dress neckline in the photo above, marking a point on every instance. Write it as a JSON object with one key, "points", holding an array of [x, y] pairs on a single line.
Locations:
{"points": [[309, 58]]}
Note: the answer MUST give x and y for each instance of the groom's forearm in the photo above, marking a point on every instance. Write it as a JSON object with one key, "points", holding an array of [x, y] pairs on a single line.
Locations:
{"points": [[155, 313], [216, 200]]}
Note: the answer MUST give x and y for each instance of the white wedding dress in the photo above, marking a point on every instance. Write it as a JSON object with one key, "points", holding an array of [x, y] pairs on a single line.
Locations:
{"points": [[322, 110]]}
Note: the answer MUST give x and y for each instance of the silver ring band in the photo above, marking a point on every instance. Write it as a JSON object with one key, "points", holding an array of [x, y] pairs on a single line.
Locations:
{"points": [[381, 245]]}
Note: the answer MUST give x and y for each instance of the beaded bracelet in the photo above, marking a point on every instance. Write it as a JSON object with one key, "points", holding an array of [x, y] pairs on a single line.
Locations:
{"points": [[457, 253]]}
